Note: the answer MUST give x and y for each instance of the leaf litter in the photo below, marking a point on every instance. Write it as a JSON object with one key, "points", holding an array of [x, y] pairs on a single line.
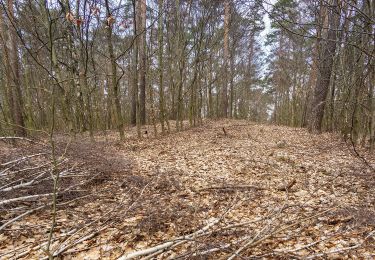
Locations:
{"points": [[228, 189]]}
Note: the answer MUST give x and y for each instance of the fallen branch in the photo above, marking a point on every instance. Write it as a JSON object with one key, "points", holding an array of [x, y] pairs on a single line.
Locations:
{"points": [[5, 138], [247, 244], [13, 251], [32, 211], [22, 159], [234, 187], [21, 216], [287, 227], [219, 248], [254, 239], [20, 171], [78, 241], [162, 247], [339, 250], [24, 198], [25, 253], [24, 184], [65, 246]]}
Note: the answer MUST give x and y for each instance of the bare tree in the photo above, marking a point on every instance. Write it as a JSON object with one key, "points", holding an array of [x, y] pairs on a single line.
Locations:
{"points": [[142, 59], [326, 52], [114, 80], [12, 71], [224, 99]]}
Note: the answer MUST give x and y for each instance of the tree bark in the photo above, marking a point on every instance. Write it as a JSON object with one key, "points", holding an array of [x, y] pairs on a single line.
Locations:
{"points": [[142, 60], [134, 94], [11, 62], [326, 54], [224, 97], [114, 80], [161, 66]]}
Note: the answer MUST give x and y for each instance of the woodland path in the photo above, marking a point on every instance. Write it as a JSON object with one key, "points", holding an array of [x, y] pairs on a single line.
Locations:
{"points": [[265, 191]]}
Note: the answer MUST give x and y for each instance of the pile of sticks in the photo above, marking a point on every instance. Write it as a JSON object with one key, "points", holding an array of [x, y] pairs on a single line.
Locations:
{"points": [[243, 240], [27, 172]]}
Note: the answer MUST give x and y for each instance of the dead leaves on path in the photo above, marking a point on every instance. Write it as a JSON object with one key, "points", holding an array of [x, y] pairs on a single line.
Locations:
{"points": [[265, 167], [271, 192]]}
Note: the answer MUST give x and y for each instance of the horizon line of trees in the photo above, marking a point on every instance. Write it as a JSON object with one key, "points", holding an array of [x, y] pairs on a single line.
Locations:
{"points": [[94, 65], [99, 64]]}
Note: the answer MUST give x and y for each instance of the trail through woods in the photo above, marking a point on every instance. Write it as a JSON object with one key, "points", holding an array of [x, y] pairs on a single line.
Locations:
{"points": [[250, 191]]}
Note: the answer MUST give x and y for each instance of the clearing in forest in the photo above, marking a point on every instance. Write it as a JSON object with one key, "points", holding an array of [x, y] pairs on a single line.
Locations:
{"points": [[228, 189]]}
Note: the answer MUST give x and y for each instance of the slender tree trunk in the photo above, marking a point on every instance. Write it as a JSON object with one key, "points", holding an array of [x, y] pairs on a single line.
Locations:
{"points": [[210, 105], [181, 67], [224, 98], [161, 66], [11, 61], [136, 96], [83, 82], [142, 60], [231, 84], [114, 80], [28, 104], [150, 74], [371, 84]]}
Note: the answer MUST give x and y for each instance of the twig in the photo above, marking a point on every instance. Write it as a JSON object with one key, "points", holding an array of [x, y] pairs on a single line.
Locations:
{"points": [[177, 241], [41, 245], [80, 240], [225, 132], [339, 250], [234, 187], [5, 138], [14, 250], [250, 242], [220, 248], [194, 236], [21, 216], [24, 198], [303, 247], [64, 246], [22, 159], [238, 251], [24, 184]]}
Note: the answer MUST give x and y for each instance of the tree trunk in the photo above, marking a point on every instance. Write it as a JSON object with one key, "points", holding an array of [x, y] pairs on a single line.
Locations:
{"points": [[114, 81], [231, 83], [142, 60], [224, 97], [134, 90], [325, 63], [136, 99], [161, 67], [11, 62]]}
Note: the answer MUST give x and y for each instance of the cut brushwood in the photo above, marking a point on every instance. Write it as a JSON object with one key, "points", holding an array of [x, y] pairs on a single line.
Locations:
{"points": [[232, 187], [173, 243]]}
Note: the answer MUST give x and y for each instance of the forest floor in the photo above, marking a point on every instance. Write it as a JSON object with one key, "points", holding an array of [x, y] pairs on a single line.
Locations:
{"points": [[255, 191]]}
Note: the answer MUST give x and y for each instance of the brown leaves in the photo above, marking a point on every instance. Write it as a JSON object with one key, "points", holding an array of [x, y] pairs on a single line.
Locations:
{"points": [[337, 220], [69, 17], [180, 180], [288, 186], [110, 20], [78, 22]]}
